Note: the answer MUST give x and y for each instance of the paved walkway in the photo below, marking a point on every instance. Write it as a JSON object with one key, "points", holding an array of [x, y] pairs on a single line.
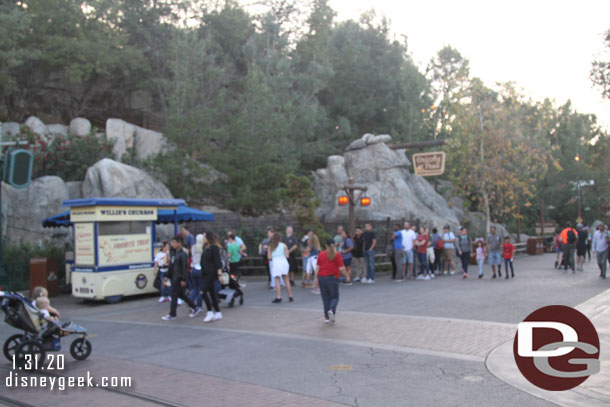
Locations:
{"points": [[429, 342]]}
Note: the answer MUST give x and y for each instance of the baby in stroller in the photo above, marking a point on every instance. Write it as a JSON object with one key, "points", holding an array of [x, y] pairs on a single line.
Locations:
{"points": [[231, 289], [39, 292]]}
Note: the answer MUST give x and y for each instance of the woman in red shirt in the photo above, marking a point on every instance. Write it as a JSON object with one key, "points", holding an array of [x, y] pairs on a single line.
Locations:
{"points": [[328, 270], [509, 253]]}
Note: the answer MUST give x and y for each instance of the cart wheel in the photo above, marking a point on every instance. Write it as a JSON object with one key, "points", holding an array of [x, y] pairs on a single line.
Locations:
{"points": [[30, 353], [113, 299], [241, 300], [80, 349], [11, 344]]}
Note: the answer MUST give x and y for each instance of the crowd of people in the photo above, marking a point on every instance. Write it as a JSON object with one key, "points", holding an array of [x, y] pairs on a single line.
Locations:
{"points": [[573, 246], [202, 266]]}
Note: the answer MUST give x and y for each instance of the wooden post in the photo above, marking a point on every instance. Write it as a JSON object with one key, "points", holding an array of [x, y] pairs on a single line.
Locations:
{"points": [[350, 189]]}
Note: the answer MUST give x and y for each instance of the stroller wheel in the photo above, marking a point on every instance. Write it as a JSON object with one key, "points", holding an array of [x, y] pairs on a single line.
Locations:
{"points": [[232, 302], [11, 345], [80, 348], [241, 300], [30, 354]]}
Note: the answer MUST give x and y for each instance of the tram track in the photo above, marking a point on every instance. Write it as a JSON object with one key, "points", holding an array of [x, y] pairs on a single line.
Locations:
{"points": [[150, 400]]}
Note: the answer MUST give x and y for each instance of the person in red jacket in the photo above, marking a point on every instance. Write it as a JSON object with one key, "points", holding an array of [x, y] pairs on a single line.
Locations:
{"points": [[328, 270], [509, 254]]}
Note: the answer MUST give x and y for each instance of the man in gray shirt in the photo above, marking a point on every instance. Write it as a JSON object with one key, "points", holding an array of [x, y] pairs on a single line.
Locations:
{"points": [[494, 244]]}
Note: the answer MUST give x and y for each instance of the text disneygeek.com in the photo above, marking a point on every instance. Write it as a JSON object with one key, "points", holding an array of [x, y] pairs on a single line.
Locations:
{"points": [[23, 381]]}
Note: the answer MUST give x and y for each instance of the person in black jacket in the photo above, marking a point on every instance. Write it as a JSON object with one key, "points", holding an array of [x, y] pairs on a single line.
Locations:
{"points": [[211, 264], [178, 274]]}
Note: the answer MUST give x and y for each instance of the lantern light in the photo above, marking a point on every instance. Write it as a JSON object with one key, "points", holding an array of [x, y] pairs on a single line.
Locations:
{"points": [[343, 200], [365, 201]]}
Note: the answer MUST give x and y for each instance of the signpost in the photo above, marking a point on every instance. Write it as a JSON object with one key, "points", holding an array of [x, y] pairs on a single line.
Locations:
{"points": [[429, 164]]}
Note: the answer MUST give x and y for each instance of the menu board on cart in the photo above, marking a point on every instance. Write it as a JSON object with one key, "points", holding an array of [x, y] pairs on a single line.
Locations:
{"points": [[124, 249], [84, 247]]}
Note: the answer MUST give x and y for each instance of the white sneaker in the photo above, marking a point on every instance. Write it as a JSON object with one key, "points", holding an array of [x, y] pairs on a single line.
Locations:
{"points": [[161, 299], [427, 278], [371, 281], [357, 280], [420, 277], [398, 280], [331, 316], [180, 302], [217, 316], [364, 280], [209, 317], [432, 276]]}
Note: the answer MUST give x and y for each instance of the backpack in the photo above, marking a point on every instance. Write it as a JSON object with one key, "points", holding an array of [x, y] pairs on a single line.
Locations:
{"points": [[571, 236], [440, 245]]}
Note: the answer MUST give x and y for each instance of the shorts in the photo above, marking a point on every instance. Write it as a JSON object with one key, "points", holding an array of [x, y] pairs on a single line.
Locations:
{"points": [[448, 256], [581, 251], [409, 258], [495, 259], [399, 256], [347, 262]]}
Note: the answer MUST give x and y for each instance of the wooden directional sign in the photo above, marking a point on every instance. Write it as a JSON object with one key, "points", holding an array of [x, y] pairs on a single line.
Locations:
{"points": [[429, 164]]}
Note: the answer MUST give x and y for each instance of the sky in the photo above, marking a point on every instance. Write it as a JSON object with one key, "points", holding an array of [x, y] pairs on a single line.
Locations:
{"points": [[545, 47]]}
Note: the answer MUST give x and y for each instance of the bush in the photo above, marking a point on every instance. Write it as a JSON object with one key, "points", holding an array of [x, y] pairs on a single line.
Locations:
{"points": [[66, 157]]}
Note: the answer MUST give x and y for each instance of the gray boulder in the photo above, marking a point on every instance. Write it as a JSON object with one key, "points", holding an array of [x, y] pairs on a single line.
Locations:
{"points": [[58, 130], [108, 178], [80, 127], [37, 126], [142, 142], [24, 209], [10, 129], [75, 189], [394, 191]]}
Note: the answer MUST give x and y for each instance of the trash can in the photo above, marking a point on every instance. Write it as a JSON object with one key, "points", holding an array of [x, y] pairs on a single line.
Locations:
{"points": [[535, 246], [44, 273]]}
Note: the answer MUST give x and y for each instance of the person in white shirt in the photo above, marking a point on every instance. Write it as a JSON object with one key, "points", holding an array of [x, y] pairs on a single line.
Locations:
{"points": [[600, 248], [408, 237], [162, 267]]}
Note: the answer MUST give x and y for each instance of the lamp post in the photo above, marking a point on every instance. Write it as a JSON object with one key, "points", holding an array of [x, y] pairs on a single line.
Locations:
{"points": [[578, 191], [351, 200]]}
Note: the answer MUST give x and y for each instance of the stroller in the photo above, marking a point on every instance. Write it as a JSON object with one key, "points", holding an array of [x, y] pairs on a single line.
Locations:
{"points": [[231, 291], [39, 336]]}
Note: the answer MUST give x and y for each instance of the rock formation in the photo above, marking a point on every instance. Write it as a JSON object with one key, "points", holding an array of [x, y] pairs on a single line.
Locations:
{"points": [[394, 191], [142, 143]]}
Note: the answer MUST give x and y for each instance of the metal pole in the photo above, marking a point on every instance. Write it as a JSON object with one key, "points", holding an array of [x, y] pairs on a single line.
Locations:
{"points": [[2, 169]]}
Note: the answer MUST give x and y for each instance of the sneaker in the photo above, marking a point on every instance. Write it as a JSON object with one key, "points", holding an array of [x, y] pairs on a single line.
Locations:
{"points": [[167, 299], [427, 278], [364, 280], [168, 318], [290, 299], [161, 299], [315, 291], [208, 317], [445, 273], [420, 277], [371, 281], [399, 280], [331, 316], [451, 273], [195, 312], [357, 280], [326, 320], [432, 276], [217, 316], [180, 302], [480, 275], [276, 301], [347, 283]]}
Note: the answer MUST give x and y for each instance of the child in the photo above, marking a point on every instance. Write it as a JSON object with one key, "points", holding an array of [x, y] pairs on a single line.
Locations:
{"points": [[38, 292], [509, 254], [480, 253], [44, 305]]}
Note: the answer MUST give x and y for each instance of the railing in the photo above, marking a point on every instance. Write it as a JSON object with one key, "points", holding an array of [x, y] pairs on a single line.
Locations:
{"points": [[520, 248]]}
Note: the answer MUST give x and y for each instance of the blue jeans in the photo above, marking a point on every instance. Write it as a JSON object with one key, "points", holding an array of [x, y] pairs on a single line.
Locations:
{"points": [[165, 291], [329, 289], [196, 284], [465, 257], [369, 257], [423, 263]]}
